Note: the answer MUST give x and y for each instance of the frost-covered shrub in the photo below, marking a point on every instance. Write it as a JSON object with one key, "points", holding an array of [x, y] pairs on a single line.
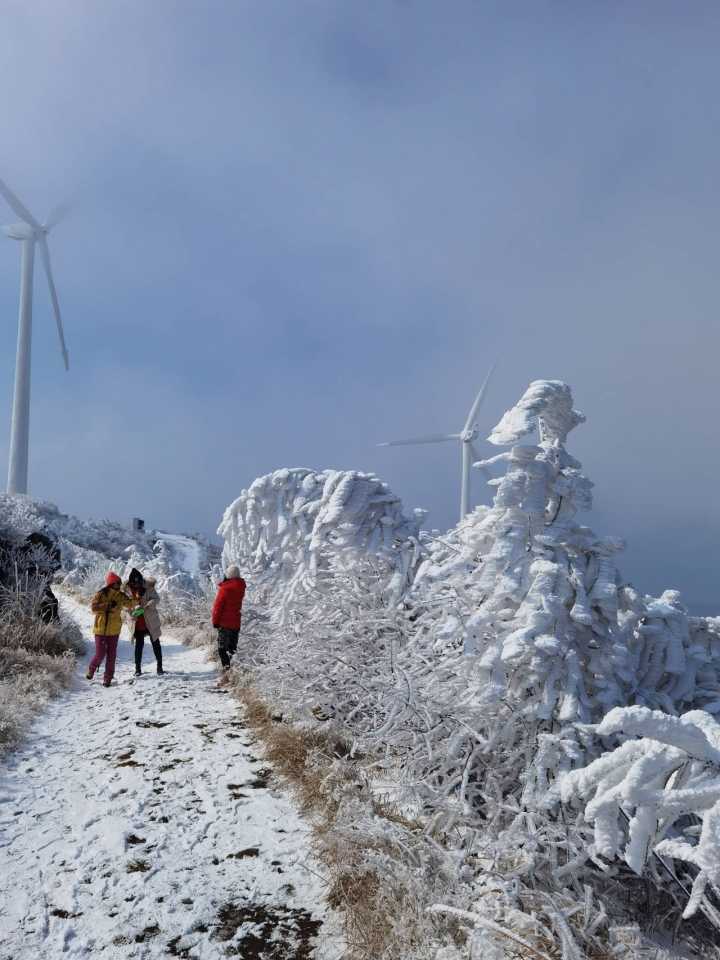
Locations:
{"points": [[523, 627], [26, 515], [288, 526], [328, 558], [655, 801], [335, 651], [472, 686], [37, 659], [544, 593], [513, 632]]}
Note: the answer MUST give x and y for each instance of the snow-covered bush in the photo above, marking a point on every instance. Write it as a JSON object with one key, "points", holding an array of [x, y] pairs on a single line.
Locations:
{"points": [[336, 650], [289, 526], [655, 801], [37, 658], [473, 681], [26, 515], [522, 627], [516, 621], [328, 557], [89, 548]]}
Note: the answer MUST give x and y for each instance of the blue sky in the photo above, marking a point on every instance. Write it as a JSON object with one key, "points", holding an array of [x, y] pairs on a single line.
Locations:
{"points": [[300, 228]]}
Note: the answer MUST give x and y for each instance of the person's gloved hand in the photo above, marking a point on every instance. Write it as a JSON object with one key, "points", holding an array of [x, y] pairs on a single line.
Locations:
{"points": [[137, 612]]}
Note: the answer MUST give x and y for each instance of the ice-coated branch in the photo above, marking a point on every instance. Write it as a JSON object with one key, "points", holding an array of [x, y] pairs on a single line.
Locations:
{"points": [[653, 796]]}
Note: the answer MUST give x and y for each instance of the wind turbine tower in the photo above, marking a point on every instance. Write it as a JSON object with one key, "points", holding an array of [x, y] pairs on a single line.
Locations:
{"points": [[31, 234], [467, 437]]}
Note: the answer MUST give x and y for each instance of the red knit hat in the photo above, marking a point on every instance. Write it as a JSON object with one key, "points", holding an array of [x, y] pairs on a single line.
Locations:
{"points": [[112, 578]]}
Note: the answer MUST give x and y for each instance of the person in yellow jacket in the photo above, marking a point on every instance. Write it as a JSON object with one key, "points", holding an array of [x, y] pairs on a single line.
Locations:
{"points": [[108, 605]]}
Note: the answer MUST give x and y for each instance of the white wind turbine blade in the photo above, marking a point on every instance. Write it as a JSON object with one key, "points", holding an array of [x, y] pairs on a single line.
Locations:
{"points": [[53, 296], [478, 400], [57, 214], [433, 438], [20, 209]]}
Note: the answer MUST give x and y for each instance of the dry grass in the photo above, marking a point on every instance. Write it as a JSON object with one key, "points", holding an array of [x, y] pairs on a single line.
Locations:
{"points": [[377, 905], [358, 894], [291, 750], [37, 661]]}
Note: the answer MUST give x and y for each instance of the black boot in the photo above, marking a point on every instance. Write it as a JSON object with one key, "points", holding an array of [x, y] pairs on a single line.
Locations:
{"points": [[139, 644], [157, 650]]}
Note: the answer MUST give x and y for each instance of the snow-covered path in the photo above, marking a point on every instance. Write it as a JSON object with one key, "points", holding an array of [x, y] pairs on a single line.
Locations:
{"points": [[138, 822]]}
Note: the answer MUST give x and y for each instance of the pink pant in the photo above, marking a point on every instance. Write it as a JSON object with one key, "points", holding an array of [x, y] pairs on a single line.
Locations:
{"points": [[105, 649]]}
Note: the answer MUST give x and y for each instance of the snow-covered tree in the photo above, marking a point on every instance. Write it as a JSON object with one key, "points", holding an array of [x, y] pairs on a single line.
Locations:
{"points": [[522, 627], [290, 525], [545, 625]]}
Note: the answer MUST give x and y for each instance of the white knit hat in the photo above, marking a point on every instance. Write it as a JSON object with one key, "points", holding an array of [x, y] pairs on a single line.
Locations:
{"points": [[232, 571]]}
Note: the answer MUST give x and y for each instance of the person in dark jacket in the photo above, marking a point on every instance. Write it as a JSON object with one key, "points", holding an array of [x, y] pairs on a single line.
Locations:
{"points": [[227, 614], [144, 619]]}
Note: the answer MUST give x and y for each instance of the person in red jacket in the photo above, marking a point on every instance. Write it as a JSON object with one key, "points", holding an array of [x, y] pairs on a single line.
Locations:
{"points": [[227, 614]]}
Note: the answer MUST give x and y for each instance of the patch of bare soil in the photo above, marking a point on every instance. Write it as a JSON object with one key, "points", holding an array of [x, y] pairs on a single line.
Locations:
{"points": [[235, 790], [261, 779], [266, 932], [242, 854]]}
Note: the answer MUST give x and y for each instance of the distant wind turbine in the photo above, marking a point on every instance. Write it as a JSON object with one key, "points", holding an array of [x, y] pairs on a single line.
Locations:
{"points": [[466, 437], [30, 233]]}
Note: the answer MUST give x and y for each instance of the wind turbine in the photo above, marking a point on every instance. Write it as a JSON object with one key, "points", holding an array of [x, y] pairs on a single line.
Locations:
{"points": [[467, 436], [31, 234]]}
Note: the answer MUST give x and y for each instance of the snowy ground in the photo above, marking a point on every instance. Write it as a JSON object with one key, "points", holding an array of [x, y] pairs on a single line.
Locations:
{"points": [[138, 822], [186, 552]]}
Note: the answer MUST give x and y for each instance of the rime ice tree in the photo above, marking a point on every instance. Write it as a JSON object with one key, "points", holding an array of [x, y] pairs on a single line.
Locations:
{"points": [[524, 628], [328, 555], [546, 628], [293, 524]]}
